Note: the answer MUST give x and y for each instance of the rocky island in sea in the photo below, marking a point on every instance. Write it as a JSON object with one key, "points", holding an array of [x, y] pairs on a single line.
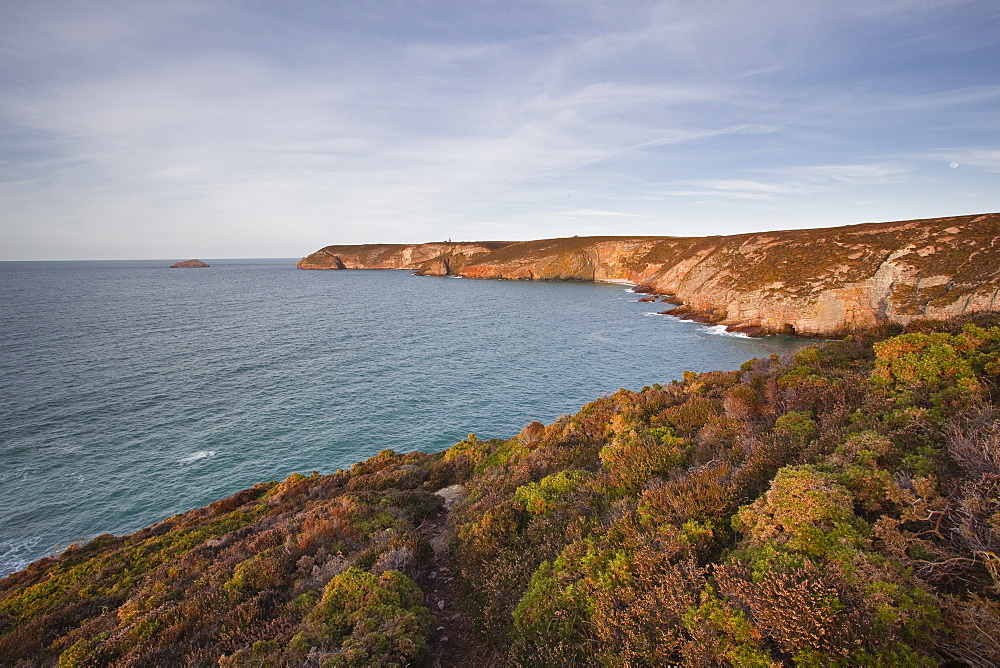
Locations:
{"points": [[188, 264], [838, 506], [825, 282]]}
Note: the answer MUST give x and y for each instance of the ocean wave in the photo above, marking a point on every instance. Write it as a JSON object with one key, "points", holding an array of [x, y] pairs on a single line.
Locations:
{"points": [[195, 456], [715, 330], [720, 330], [672, 317], [12, 555]]}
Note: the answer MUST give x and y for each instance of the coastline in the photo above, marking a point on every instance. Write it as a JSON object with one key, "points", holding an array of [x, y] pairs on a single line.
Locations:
{"points": [[820, 283], [420, 340], [689, 501]]}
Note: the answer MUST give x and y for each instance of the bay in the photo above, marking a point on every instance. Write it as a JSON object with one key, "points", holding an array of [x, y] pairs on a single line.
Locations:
{"points": [[130, 392]]}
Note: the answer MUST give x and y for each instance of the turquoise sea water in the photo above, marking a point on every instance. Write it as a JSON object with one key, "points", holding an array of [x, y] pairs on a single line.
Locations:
{"points": [[131, 392]]}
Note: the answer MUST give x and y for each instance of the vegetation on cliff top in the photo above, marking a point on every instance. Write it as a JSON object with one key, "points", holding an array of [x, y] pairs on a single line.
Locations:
{"points": [[966, 247], [837, 507]]}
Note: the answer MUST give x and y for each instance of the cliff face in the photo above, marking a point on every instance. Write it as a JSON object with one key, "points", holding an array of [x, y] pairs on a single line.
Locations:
{"points": [[399, 256], [819, 282]]}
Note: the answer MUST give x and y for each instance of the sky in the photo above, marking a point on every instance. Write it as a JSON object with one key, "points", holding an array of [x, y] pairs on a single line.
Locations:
{"points": [[228, 129]]}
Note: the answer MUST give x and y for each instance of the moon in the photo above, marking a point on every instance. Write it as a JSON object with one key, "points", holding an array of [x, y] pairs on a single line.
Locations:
{"points": [[954, 165]]}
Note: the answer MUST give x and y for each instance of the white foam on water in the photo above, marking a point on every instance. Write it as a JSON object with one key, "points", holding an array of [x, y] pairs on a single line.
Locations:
{"points": [[11, 560], [618, 281], [720, 330], [195, 456]]}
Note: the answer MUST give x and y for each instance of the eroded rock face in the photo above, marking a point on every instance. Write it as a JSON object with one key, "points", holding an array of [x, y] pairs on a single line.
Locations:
{"points": [[188, 264], [394, 256], [821, 282]]}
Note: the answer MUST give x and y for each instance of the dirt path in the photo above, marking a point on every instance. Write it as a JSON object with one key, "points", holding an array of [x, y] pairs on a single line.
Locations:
{"points": [[453, 642]]}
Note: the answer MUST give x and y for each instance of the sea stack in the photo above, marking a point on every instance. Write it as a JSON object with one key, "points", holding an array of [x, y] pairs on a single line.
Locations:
{"points": [[188, 264]]}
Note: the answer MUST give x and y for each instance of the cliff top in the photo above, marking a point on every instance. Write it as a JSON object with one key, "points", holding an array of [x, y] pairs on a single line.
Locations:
{"points": [[886, 234]]}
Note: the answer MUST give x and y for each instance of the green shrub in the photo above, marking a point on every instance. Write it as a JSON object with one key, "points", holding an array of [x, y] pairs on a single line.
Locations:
{"points": [[688, 417], [722, 635], [935, 370], [366, 619], [634, 458], [551, 620], [797, 426], [546, 494], [805, 512]]}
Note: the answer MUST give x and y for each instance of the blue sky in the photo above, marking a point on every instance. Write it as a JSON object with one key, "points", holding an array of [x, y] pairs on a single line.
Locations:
{"points": [[269, 129]]}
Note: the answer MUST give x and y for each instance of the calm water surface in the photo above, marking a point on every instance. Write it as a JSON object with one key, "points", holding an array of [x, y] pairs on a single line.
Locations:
{"points": [[131, 392]]}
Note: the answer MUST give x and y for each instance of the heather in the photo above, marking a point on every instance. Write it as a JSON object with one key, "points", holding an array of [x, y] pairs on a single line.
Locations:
{"points": [[835, 507]]}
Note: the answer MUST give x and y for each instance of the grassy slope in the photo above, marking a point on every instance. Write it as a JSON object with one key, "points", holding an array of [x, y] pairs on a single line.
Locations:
{"points": [[841, 507]]}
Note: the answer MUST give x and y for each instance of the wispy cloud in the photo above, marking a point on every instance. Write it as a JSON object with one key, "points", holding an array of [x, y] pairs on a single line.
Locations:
{"points": [[859, 173], [709, 194], [799, 180], [218, 129], [598, 213], [748, 186]]}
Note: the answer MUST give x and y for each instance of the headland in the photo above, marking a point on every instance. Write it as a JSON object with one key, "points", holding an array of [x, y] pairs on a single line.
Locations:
{"points": [[824, 282]]}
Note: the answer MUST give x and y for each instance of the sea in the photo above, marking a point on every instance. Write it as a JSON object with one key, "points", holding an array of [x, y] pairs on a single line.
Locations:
{"points": [[130, 392]]}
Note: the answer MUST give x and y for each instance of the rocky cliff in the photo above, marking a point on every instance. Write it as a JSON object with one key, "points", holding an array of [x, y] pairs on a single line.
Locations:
{"points": [[444, 258], [818, 282]]}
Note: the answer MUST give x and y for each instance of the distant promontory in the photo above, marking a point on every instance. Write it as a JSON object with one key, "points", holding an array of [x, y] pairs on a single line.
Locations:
{"points": [[188, 264], [824, 282]]}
